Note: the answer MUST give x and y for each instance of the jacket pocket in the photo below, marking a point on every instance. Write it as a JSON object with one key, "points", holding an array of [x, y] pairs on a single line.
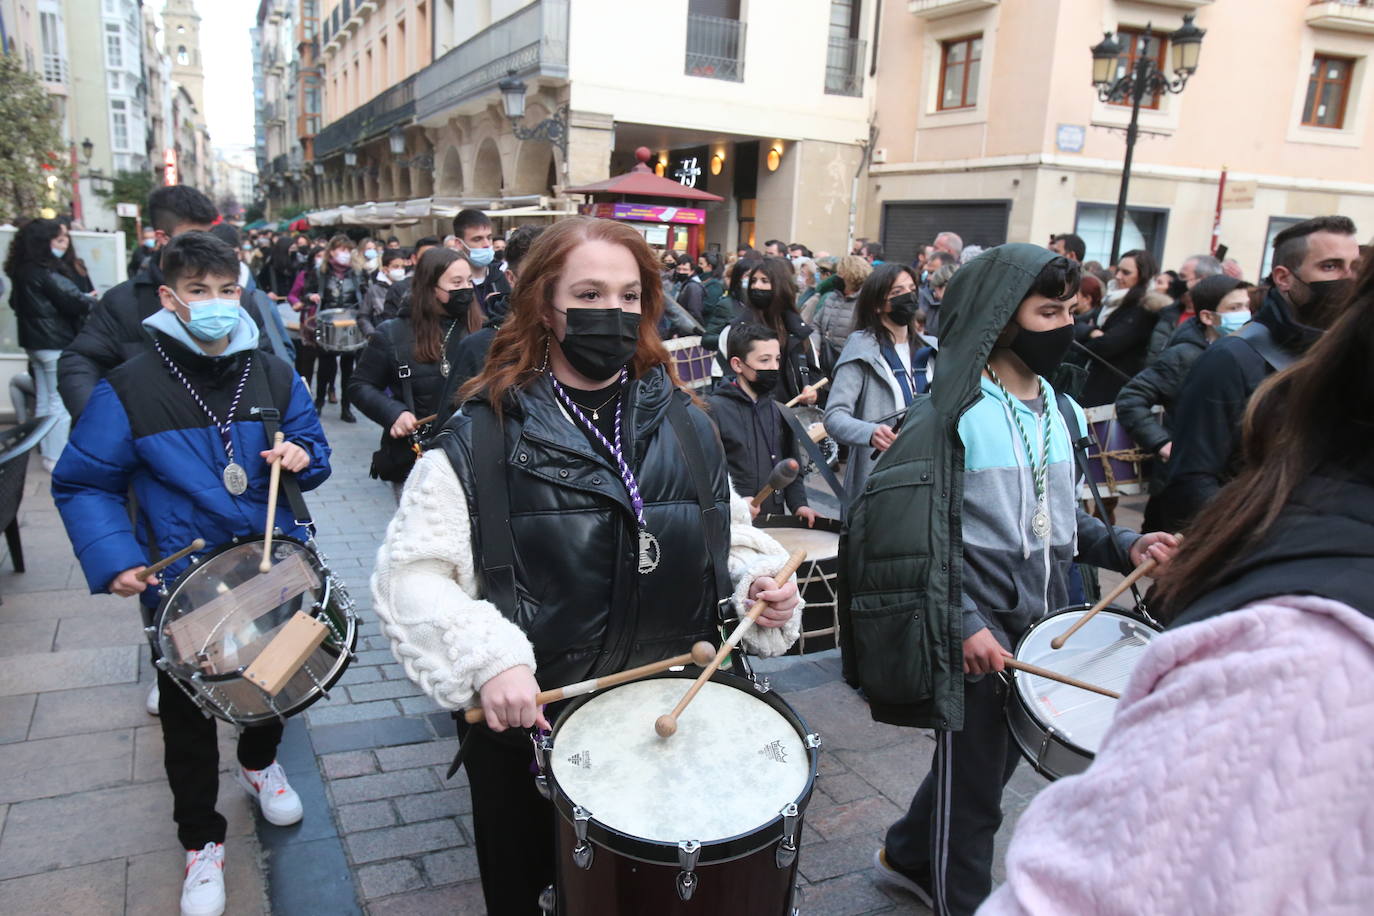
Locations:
{"points": [[892, 653]]}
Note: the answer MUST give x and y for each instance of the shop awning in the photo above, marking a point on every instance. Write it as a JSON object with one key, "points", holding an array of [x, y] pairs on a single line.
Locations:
{"points": [[408, 212], [641, 181]]}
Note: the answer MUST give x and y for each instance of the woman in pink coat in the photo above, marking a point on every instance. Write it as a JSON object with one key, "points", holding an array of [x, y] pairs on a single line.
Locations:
{"points": [[1238, 773]]}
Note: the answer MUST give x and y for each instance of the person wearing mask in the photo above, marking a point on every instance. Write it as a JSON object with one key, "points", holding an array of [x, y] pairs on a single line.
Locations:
{"points": [[1121, 331], [50, 309], [752, 429], [147, 244], [498, 245], [951, 244], [1314, 266], [1270, 632], [474, 232], [806, 281], [686, 289], [712, 275], [114, 332], [407, 369], [1198, 267], [393, 270], [873, 253], [1223, 307], [170, 426], [397, 296], [772, 302], [730, 307], [368, 257], [925, 298], [884, 365], [472, 352], [273, 328], [834, 317], [605, 575], [336, 284]]}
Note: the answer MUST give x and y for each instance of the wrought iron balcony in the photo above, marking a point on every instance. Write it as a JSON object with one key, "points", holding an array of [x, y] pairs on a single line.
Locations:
{"points": [[715, 47], [844, 66], [393, 106]]}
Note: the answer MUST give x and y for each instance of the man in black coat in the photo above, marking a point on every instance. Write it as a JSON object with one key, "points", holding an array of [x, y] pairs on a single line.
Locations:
{"points": [[114, 333], [1313, 276]]}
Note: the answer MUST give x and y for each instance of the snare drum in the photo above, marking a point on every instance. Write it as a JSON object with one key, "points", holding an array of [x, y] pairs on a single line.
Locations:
{"points": [[692, 361], [222, 613], [337, 331], [809, 416], [816, 580], [705, 822], [1059, 728], [1115, 462]]}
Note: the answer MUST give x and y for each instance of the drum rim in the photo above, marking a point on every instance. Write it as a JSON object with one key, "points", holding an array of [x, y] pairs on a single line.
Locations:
{"points": [[823, 523], [717, 852]]}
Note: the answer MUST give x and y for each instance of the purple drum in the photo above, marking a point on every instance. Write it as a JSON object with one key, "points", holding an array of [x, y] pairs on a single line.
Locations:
{"points": [[692, 361], [1115, 462]]}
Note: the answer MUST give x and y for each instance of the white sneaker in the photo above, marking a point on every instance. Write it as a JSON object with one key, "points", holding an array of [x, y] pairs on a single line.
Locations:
{"points": [[279, 802], [202, 894], [153, 697]]}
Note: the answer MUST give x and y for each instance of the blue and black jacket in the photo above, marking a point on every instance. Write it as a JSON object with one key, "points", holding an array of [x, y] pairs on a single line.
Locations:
{"points": [[142, 428]]}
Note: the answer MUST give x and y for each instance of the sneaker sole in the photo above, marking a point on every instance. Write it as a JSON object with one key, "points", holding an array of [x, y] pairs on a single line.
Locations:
{"points": [[897, 879]]}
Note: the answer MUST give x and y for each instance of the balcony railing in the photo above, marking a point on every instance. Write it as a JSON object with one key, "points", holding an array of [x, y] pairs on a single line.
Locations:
{"points": [[1356, 16], [844, 66], [531, 40], [394, 106], [715, 47]]}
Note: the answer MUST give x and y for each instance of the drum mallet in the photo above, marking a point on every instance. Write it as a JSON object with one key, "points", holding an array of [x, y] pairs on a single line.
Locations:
{"points": [[1011, 662], [701, 655], [160, 565], [783, 476], [1144, 569], [817, 432], [272, 483], [816, 387], [666, 725]]}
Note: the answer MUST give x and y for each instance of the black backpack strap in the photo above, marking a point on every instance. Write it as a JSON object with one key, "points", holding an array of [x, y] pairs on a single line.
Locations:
{"points": [[270, 416], [1262, 342], [402, 347], [489, 468], [716, 546]]}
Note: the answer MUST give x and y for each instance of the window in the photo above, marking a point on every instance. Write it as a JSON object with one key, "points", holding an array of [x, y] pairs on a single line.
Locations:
{"points": [[1276, 225], [1328, 90], [54, 59], [182, 58], [119, 116], [1143, 227], [1133, 42], [959, 64], [114, 46], [115, 81]]}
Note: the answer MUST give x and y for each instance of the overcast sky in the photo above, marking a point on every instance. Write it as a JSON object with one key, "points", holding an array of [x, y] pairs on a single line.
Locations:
{"points": [[227, 53]]}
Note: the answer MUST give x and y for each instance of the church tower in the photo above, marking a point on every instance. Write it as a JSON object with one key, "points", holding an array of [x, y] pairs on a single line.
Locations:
{"points": [[182, 41]]}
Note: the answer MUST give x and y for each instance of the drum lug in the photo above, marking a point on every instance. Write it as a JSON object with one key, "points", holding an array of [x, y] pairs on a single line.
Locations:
{"points": [[687, 853], [1050, 735], [541, 785], [548, 900], [813, 740], [787, 849], [582, 852], [762, 685], [542, 746]]}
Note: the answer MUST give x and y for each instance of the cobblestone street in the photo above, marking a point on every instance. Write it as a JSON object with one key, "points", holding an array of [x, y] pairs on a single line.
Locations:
{"points": [[85, 814]]}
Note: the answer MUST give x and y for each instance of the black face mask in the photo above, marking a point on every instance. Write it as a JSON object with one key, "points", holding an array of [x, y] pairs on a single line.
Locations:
{"points": [[459, 300], [599, 342], [1325, 300], [764, 380], [760, 298], [1042, 351], [903, 308]]}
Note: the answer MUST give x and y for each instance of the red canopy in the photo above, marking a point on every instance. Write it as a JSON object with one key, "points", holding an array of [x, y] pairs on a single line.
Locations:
{"points": [[641, 181]]}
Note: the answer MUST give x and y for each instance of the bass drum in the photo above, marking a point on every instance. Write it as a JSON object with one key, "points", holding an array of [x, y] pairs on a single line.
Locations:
{"points": [[817, 580], [1058, 727]]}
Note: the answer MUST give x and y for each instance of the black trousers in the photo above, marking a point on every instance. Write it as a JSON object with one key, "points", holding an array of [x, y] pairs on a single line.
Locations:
{"points": [[330, 366], [513, 823], [191, 756], [946, 836]]}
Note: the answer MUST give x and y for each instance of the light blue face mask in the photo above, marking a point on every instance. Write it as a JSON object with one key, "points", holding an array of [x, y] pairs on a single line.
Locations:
{"points": [[58, 253], [1231, 322], [211, 319], [481, 257]]}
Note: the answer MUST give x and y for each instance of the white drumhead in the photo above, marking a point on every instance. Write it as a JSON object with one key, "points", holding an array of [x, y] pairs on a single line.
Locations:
{"points": [[1103, 652], [819, 545], [733, 765]]}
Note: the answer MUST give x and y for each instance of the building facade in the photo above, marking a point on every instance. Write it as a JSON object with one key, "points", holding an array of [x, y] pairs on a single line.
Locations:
{"points": [[993, 128]]}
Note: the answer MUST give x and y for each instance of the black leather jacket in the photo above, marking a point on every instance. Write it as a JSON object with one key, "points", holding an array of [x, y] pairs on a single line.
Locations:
{"points": [[580, 597], [49, 306], [375, 386]]}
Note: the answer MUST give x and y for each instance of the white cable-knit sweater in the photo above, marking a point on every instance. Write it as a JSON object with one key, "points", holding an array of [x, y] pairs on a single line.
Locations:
{"points": [[450, 641]]}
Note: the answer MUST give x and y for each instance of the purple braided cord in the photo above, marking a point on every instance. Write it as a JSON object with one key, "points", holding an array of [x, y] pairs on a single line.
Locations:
{"points": [[626, 475]]}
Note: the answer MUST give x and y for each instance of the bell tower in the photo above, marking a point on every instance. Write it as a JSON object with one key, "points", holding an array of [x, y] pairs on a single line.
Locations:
{"points": [[182, 42]]}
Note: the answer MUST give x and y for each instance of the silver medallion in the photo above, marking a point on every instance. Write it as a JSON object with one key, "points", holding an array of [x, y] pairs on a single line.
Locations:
{"points": [[235, 478], [444, 368], [648, 552], [1040, 522]]}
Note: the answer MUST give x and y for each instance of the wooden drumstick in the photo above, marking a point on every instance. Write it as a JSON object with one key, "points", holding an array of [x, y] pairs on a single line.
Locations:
{"points": [[429, 419], [1011, 662], [816, 387], [784, 474], [273, 481], [701, 654], [1144, 569], [666, 725], [160, 565]]}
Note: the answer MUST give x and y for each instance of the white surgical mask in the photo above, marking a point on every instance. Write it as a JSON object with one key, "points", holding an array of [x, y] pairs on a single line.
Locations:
{"points": [[343, 257], [397, 274]]}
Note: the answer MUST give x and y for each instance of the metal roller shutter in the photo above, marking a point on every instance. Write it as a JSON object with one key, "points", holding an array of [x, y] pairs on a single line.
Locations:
{"points": [[907, 225]]}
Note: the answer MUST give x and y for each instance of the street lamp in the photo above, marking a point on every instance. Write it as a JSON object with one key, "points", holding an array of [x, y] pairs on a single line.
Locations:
{"points": [[87, 151], [552, 130], [350, 158], [1145, 79], [397, 138]]}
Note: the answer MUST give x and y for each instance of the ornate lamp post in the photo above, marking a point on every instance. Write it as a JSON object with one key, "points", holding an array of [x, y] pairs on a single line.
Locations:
{"points": [[1145, 79], [552, 130]]}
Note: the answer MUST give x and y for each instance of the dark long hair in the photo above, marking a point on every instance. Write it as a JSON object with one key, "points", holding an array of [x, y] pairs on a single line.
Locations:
{"points": [[426, 311], [743, 268], [1317, 415], [32, 247], [868, 311], [1146, 267], [780, 277]]}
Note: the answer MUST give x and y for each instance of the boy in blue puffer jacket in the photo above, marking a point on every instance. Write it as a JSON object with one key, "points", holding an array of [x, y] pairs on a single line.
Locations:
{"points": [[175, 423]]}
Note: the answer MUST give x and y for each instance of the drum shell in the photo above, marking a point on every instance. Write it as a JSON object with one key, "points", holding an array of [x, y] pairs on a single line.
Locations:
{"points": [[692, 361], [817, 580], [334, 338], [1130, 469]]}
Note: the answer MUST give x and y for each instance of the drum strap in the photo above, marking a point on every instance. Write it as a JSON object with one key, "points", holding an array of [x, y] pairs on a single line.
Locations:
{"points": [[1262, 342], [1079, 447], [271, 422], [814, 452], [687, 438], [493, 508]]}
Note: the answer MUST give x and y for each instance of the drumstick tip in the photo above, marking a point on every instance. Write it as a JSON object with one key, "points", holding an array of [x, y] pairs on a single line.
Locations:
{"points": [[265, 565], [702, 653], [665, 726]]}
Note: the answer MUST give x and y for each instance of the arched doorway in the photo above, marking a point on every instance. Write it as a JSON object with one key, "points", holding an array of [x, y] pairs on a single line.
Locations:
{"points": [[487, 177], [449, 179]]}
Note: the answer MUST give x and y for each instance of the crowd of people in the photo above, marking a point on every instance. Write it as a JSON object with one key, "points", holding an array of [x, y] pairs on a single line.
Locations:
{"points": [[568, 507]]}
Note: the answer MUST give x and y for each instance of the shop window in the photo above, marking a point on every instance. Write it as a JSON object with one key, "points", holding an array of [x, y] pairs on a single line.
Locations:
{"points": [[1143, 227], [960, 61], [1328, 91], [1133, 42]]}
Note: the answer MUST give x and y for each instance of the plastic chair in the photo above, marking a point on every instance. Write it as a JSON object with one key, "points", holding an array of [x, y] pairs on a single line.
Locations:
{"points": [[15, 445]]}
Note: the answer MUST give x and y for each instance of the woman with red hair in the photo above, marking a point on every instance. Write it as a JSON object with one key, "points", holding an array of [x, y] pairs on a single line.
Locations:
{"points": [[575, 520]]}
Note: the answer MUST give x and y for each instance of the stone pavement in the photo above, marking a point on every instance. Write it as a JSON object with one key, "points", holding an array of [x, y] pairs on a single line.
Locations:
{"points": [[85, 815]]}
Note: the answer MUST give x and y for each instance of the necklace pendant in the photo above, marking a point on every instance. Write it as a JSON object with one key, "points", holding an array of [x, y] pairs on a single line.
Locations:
{"points": [[648, 552], [235, 478], [596, 415], [1040, 522], [445, 368]]}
